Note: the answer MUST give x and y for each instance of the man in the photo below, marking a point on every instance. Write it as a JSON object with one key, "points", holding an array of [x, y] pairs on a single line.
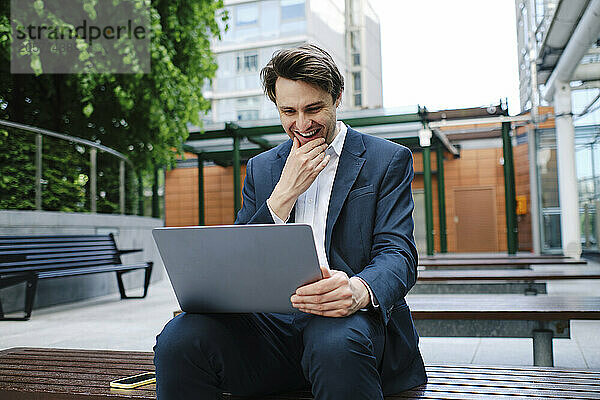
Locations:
{"points": [[353, 337]]}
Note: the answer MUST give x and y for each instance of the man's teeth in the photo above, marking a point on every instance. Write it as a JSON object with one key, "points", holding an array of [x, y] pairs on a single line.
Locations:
{"points": [[309, 133]]}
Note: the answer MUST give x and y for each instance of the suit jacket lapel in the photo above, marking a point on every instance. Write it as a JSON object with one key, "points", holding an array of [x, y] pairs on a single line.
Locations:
{"points": [[348, 168], [279, 163]]}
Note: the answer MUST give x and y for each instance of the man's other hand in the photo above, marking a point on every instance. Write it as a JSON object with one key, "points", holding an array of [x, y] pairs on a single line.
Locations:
{"points": [[335, 295], [301, 169]]}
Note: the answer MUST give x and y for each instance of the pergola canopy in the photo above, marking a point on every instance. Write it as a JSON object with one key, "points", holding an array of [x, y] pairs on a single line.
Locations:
{"points": [[214, 142]]}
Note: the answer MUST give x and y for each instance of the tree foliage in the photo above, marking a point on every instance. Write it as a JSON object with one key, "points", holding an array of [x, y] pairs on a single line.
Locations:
{"points": [[143, 116]]}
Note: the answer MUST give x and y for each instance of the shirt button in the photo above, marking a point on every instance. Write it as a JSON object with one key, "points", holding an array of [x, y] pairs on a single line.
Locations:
{"points": [[310, 201]]}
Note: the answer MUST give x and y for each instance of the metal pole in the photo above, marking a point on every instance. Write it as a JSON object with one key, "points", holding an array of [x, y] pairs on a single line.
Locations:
{"points": [[237, 201], [542, 348], [441, 198], [568, 190], [38, 172], [509, 190], [93, 179], [200, 189], [428, 198], [122, 186]]}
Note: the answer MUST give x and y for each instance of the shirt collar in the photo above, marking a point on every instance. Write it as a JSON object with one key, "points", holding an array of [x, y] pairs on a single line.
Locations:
{"points": [[338, 142]]}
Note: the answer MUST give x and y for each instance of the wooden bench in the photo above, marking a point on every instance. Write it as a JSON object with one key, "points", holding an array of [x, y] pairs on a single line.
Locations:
{"points": [[538, 317], [53, 374], [525, 281], [31, 258]]}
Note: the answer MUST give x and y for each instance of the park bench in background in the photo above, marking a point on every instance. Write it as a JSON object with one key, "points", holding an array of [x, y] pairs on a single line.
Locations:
{"points": [[525, 281], [502, 315], [33, 257], [52, 374]]}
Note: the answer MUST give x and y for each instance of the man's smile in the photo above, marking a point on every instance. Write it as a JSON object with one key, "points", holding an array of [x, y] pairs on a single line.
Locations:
{"points": [[310, 133]]}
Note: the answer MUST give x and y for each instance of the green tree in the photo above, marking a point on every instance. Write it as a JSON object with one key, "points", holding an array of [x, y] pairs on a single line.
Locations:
{"points": [[144, 116]]}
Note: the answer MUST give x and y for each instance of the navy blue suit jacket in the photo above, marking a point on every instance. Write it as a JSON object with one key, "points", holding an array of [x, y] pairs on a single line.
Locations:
{"points": [[369, 233]]}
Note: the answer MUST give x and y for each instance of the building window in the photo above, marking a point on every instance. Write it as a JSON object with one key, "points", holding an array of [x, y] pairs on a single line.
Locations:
{"points": [[292, 9], [247, 108], [357, 81], [247, 62], [247, 115], [355, 47], [357, 100], [246, 14], [357, 89], [354, 41]]}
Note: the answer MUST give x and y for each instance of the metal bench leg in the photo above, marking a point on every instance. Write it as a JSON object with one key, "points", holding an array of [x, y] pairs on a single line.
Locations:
{"points": [[30, 295], [121, 285], [542, 348], [30, 288], [147, 275]]}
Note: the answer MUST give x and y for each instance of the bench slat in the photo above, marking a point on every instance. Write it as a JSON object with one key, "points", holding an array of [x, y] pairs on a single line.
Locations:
{"points": [[55, 249], [51, 238], [500, 306], [515, 370], [505, 274], [553, 379], [68, 252], [496, 262], [58, 266], [560, 394], [56, 245], [60, 260], [89, 270]]}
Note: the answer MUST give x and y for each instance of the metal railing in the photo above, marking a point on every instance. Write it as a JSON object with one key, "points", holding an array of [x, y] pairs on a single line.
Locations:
{"points": [[94, 147]]}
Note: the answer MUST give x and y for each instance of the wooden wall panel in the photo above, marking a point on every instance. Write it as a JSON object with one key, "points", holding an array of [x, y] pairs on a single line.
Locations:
{"points": [[474, 168], [181, 195]]}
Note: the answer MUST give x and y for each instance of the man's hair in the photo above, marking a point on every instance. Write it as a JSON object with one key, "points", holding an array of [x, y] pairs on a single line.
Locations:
{"points": [[307, 63]]}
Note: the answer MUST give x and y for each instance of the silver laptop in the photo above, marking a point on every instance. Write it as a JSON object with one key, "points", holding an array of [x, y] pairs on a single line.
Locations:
{"points": [[238, 268]]}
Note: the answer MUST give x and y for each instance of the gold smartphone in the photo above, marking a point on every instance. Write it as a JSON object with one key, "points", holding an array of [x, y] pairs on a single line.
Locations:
{"points": [[134, 381]]}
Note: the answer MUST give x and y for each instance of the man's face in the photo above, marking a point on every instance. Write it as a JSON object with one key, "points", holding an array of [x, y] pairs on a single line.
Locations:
{"points": [[307, 112]]}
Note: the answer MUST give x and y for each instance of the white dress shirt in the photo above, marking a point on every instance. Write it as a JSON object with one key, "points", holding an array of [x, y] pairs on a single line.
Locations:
{"points": [[312, 205]]}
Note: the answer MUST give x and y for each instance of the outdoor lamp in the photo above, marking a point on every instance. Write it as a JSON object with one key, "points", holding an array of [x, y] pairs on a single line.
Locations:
{"points": [[425, 137]]}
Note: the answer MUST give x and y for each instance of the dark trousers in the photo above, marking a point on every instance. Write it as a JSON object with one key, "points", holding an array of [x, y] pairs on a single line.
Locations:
{"points": [[199, 356]]}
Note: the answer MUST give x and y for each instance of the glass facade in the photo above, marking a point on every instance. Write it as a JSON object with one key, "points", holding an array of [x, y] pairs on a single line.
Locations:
{"points": [[264, 20], [357, 88], [587, 156], [419, 220], [292, 9], [548, 189]]}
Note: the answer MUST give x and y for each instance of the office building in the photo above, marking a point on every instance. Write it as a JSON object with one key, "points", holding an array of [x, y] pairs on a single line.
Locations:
{"points": [[348, 29]]}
